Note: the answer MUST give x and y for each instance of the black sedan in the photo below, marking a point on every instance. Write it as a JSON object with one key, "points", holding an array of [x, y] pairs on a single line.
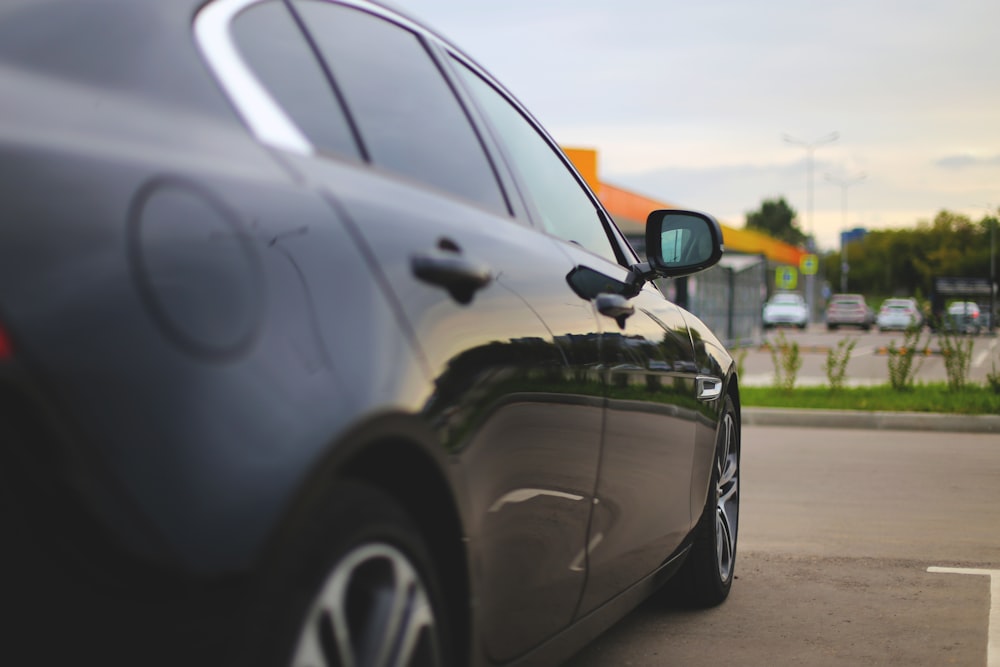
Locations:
{"points": [[316, 350]]}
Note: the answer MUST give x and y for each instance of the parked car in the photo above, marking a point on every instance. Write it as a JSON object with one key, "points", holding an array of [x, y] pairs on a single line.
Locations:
{"points": [[963, 317], [899, 314], [849, 310], [315, 348], [786, 309]]}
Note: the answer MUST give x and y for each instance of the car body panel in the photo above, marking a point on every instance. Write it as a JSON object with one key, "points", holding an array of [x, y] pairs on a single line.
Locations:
{"points": [[641, 510]]}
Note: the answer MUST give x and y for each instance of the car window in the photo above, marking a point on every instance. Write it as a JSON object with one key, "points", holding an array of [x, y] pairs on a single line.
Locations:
{"points": [[407, 114], [565, 208], [276, 50], [787, 299]]}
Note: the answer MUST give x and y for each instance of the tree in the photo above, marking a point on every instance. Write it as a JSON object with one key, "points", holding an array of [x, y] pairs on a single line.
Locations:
{"points": [[905, 262], [776, 218]]}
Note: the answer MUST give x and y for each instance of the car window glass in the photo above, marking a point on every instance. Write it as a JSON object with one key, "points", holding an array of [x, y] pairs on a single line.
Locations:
{"points": [[565, 208], [409, 118], [279, 55]]}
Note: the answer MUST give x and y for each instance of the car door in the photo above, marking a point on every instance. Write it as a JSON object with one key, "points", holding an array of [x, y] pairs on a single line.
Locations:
{"points": [[509, 388], [642, 508]]}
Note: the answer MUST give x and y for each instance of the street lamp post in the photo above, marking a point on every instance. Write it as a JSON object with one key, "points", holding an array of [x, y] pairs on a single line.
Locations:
{"points": [[993, 275], [993, 220], [844, 183], [810, 147]]}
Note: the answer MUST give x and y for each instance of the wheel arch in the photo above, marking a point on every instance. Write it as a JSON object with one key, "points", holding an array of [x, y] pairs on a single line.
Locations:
{"points": [[418, 484], [394, 453], [733, 389]]}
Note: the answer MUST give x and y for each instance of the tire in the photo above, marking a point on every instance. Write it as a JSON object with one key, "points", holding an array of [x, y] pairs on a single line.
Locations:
{"points": [[355, 585], [707, 575]]}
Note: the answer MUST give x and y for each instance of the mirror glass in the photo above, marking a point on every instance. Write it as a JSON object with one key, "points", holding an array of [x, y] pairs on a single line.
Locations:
{"points": [[686, 242]]}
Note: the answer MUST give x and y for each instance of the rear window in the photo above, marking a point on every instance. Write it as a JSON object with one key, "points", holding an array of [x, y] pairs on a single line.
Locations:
{"points": [[408, 116], [786, 298]]}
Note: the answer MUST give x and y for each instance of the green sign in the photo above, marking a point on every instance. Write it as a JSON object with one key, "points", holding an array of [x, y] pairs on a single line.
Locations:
{"points": [[786, 277]]}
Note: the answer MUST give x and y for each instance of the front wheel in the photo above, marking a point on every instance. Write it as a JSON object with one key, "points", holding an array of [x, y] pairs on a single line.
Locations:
{"points": [[707, 575]]}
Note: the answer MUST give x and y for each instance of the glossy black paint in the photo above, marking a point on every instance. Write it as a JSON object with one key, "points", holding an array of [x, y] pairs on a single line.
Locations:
{"points": [[206, 327]]}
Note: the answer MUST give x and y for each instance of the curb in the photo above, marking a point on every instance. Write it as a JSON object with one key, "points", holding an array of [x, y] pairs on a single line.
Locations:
{"points": [[903, 421]]}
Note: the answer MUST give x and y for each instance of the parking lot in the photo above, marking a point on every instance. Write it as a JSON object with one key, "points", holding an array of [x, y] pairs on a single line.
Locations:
{"points": [[839, 529]]}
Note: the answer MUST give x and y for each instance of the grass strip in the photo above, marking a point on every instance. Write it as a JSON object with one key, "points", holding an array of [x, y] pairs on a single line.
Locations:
{"points": [[931, 397]]}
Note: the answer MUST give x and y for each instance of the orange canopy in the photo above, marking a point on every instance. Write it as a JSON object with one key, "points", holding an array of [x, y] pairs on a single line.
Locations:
{"points": [[630, 209]]}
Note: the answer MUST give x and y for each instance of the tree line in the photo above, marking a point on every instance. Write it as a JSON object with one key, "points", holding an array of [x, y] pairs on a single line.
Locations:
{"points": [[905, 262], [895, 262]]}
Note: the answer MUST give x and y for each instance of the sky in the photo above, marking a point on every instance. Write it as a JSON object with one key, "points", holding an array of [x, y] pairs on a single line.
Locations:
{"points": [[713, 105]]}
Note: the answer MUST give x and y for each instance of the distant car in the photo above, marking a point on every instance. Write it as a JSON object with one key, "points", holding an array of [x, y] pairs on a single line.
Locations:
{"points": [[899, 314], [963, 317], [849, 310], [786, 309]]}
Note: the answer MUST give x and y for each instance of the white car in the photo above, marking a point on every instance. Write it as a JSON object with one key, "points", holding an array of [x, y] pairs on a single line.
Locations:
{"points": [[786, 309], [898, 314]]}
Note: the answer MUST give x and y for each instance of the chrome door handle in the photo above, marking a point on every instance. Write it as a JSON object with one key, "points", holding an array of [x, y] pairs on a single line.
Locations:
{"points": [[460, 276], [709, 387]]}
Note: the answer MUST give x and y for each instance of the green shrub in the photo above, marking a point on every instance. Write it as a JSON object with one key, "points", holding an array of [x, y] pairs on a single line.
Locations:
{"points": [[836, 362], [993, 379], [902, 370], [787, 361], [957, 351]]}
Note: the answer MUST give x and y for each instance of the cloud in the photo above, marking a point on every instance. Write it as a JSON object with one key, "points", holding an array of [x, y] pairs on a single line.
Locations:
{"points": [[965, 160]]}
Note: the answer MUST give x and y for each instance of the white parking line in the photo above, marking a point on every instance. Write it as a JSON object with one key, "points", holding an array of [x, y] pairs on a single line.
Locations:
{"points": [[984, 355], [993, 629]]}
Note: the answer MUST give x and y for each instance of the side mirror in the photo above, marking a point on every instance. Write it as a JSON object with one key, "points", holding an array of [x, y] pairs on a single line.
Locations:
{"points": [[680, 243]]}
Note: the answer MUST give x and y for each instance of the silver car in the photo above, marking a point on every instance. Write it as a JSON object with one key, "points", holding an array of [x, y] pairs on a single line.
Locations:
{"points": [[899, 315], [849, 310]]}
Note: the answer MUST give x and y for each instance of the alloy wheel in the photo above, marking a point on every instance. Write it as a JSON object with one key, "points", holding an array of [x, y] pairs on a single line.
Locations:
{"points": [[373, 611], [727, 496]]}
